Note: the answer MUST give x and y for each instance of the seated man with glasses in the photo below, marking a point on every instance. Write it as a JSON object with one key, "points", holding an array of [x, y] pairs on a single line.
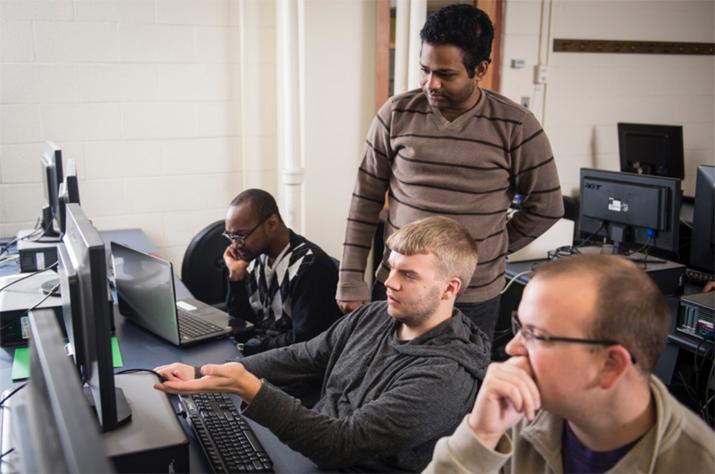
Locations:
{"points": [[577, 394], [278, 280]]}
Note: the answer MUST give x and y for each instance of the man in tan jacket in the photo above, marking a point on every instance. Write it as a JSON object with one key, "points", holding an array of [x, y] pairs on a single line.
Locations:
{"points": [[577, 394]]}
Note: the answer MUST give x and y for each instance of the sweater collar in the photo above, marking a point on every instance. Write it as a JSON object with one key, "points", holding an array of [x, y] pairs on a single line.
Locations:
{"points": [[463, 119], [545, 432]]}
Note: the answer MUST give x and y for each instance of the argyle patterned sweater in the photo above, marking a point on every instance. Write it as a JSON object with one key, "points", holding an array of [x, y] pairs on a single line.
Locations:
{"points": [[291, 301]]}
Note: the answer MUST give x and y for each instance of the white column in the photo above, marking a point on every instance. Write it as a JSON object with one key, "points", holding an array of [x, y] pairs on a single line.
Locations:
{"points": [[402, 44], [291, 173], [418, 15], [410, 17]]}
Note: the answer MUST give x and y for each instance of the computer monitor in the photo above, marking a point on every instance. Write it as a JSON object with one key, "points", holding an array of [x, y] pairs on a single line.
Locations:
{"points": [[68, 192], [632, 210], [52, 176], [702, 244], [86, 258], [52, 427], [651, 149], [71, 313]]}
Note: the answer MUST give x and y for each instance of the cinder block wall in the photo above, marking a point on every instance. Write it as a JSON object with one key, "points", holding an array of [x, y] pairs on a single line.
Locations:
{"points": [[143, 95], [587, 94]]}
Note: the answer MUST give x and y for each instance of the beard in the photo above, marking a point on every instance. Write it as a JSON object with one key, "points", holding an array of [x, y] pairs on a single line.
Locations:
{"points": [[414, 313]]}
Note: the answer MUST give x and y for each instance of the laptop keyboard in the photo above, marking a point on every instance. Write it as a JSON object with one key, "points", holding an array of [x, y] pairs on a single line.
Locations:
{"points": [[226, 438], [192, 326]]}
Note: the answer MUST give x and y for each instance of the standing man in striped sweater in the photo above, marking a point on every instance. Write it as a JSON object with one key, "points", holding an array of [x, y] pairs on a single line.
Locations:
{"points": [[451, 148]]}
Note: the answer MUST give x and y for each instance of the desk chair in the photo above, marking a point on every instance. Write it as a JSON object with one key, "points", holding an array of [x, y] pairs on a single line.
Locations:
{"points": [[203, 270]]}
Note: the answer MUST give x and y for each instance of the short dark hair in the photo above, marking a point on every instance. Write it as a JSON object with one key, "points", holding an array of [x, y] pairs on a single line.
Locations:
{"points": [[261, 202], [629, 309], [464, 26]]}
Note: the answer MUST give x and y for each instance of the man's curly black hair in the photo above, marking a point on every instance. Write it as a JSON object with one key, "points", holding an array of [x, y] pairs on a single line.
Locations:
{"points": [[464, 26]]}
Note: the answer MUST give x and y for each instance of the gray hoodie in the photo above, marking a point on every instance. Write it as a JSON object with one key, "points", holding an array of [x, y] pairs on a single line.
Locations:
{"points": [[384, 402]]}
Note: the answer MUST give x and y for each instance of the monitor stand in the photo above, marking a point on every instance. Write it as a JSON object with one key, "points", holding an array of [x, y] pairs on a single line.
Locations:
{"points": [[49, 234], [124, 412]]}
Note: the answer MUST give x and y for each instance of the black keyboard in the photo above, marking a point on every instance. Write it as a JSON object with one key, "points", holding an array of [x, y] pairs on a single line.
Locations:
{"points": [[226, 438], [195, 327], [698, 278]]}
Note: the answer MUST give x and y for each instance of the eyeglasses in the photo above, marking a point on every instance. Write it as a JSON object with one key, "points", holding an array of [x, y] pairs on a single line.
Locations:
{"points": [[529, 335], [241, 238]]}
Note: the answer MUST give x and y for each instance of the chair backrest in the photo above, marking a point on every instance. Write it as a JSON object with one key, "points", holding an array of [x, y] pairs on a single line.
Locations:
{"points": [[203, 270]]}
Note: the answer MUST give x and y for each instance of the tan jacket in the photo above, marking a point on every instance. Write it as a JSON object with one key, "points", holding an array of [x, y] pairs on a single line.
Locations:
{"points": [[679, 442]]}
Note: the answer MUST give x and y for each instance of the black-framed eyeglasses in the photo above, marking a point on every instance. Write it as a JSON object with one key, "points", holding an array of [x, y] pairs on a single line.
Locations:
{"points": [[241, 238], [529, 335]]}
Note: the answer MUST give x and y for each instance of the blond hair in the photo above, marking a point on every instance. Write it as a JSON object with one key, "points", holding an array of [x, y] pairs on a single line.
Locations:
{"points": [[448, 240]]}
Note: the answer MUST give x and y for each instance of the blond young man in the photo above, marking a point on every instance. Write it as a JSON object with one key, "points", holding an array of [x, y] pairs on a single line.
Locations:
{"points": [[396, 375], [578, 395]]}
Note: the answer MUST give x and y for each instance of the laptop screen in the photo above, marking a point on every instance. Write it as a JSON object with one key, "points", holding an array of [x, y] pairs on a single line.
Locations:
{"points": [[145, 290]]}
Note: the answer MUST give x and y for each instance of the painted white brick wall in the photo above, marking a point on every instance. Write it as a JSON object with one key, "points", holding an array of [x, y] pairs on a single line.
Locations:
{"points": [[587, 94], [258, 112], [332, 159], [146, 96], [16, 40]]}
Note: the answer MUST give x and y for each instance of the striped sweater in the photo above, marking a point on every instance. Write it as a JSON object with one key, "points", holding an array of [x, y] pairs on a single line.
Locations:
{"points": [[468, 169]]}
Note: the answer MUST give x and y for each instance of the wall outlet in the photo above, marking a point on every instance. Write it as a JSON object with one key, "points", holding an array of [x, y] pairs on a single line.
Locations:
{"points": [[525, 99]]}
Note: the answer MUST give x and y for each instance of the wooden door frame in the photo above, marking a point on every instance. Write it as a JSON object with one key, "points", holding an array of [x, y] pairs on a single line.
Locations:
{"points": [[492, 80], [495, 10]]}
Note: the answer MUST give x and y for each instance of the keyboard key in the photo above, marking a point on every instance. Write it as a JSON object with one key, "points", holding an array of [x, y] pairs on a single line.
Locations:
{"points": [[195, 327]]}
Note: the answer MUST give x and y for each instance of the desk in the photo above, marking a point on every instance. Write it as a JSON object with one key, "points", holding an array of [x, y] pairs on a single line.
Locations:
{"points": [[140, 349]]}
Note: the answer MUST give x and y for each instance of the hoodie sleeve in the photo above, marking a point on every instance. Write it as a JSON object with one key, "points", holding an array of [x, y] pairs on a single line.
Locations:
{"points": [[300, 362], [409, 414]]}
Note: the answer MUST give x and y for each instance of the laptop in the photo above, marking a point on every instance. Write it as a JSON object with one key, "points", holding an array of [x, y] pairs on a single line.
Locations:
{"points": [[147, 296]]}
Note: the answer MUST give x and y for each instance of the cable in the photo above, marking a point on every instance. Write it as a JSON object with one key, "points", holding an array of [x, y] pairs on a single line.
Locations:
{"points": [[588, 239], [707, 386], [15, 390], [563, 251], [513, 279], [644, 247], [30, 275], [688, 390], [34, 234], [16, 239], [9, 244], [6, 453], [32, 237], [44, 298], [133, 371], [8, 259]]}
